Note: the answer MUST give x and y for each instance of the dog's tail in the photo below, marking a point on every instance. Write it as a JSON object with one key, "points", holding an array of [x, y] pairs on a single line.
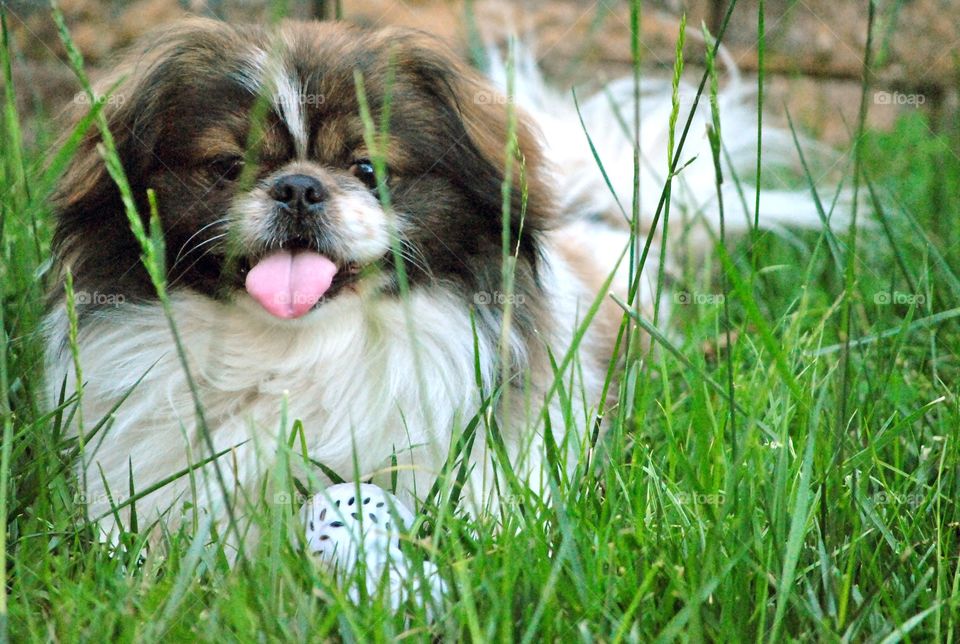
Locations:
{"points": [[600, 134]]}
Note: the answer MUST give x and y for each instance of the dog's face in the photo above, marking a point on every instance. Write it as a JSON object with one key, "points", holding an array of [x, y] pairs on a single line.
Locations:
{"points": [[255, 144]]}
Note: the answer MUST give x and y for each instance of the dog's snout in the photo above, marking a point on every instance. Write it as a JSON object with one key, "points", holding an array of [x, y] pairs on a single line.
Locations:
{"points": [[299, 192]]}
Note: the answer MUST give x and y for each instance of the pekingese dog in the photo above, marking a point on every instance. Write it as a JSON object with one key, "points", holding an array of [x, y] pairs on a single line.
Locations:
{"points": [[365, 235]]}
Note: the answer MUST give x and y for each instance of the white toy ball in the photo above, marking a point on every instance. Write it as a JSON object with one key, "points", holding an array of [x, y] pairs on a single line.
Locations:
{"points": [[350, 523]]}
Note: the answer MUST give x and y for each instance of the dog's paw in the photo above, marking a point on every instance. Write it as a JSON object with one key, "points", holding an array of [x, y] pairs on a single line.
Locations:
{"points": [[349, 525]]}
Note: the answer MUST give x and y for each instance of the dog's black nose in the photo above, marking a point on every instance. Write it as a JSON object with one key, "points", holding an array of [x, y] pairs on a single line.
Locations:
{"points": [[298, 192]]}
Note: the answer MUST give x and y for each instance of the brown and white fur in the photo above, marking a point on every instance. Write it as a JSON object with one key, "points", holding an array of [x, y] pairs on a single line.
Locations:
{"points": [[371, 373]]}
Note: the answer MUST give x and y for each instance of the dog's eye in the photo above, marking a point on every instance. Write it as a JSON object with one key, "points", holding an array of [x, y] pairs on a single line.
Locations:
{"points": [[227, 168], [363, 169]]}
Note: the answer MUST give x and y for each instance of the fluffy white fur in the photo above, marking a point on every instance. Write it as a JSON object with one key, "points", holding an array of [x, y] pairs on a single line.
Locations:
{"points": [[368, 380], [371, 378], [608, 116]]}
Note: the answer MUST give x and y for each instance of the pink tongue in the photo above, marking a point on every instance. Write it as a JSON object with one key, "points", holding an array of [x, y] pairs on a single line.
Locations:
{"points": [[289, 284]]}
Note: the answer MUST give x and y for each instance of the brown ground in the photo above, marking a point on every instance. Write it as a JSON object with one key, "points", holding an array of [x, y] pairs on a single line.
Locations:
{"points": [[814, 47]]}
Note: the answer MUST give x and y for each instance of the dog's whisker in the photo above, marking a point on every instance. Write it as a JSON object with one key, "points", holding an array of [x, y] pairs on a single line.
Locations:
{"points": [[410, 254], [211, 248], [211, 240], [180, 253]]}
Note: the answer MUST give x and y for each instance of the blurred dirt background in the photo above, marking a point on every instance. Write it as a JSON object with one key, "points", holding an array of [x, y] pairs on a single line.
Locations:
{"points": [[814, 51]]}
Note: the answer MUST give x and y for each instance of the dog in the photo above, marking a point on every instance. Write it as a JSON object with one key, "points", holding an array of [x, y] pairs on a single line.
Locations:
{"points": [[365, 235]]}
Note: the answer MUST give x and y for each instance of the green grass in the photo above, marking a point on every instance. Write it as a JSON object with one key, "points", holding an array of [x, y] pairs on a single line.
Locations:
{"points": [[830, 513]]}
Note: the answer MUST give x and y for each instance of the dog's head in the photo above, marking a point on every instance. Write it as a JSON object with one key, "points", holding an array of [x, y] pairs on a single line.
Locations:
{"points": [[267, 164]]}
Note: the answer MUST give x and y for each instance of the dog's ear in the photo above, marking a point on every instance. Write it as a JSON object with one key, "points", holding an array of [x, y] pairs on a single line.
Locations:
{"points": [[90, 218], [477, 122], [92, 235]]}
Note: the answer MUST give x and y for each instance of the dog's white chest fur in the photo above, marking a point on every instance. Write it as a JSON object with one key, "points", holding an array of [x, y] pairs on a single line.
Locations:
{"points": [[368, 380], [376, 382]]}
